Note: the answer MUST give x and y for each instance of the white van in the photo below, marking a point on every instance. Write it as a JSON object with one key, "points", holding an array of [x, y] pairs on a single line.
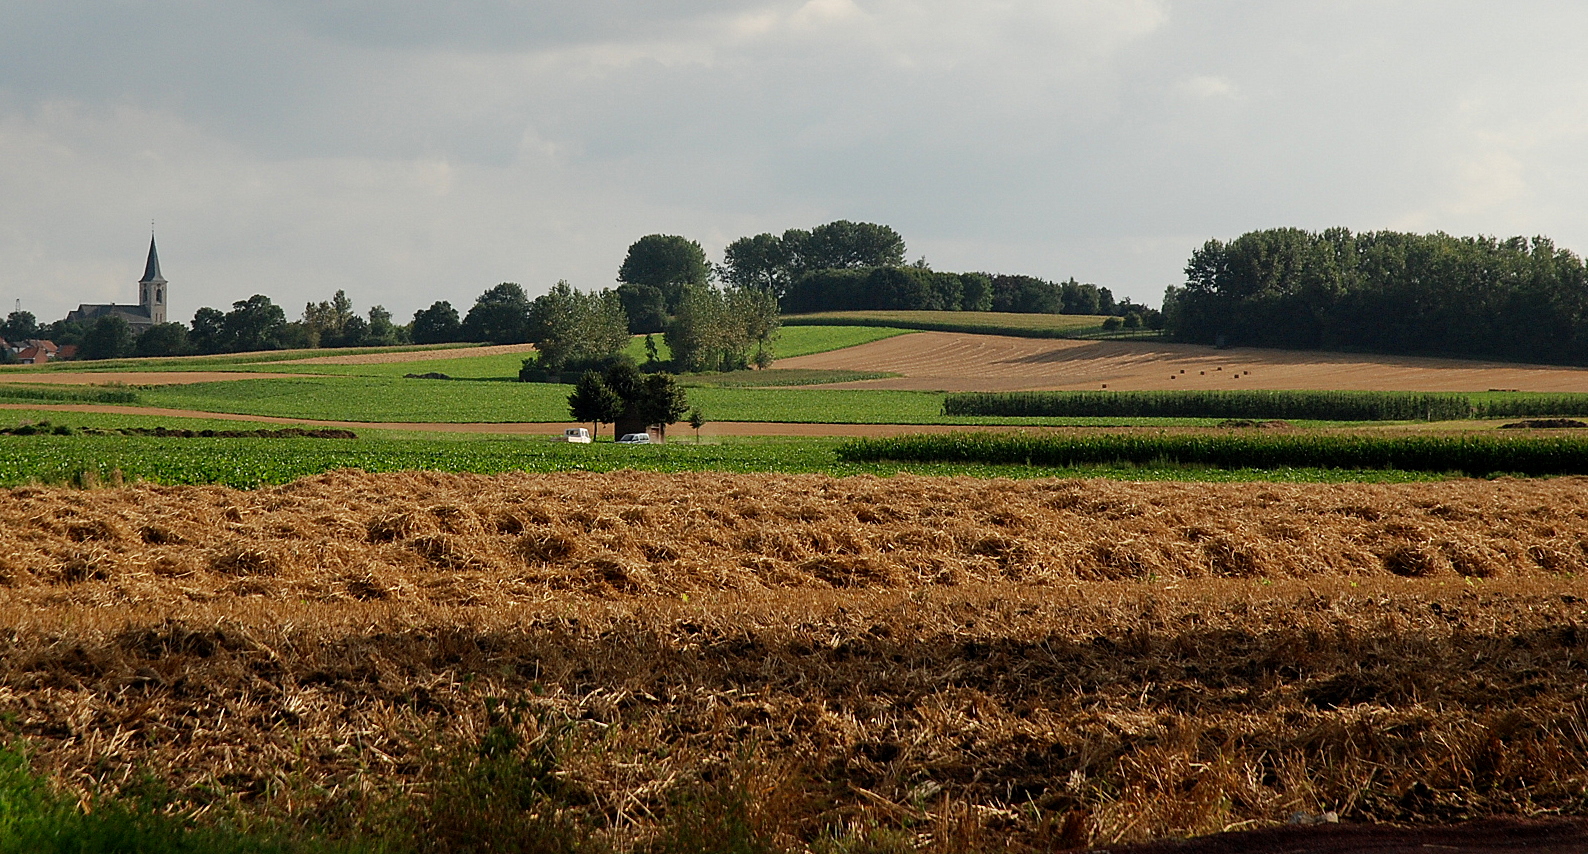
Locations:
{"points": [[576, 434], [635, 439]]}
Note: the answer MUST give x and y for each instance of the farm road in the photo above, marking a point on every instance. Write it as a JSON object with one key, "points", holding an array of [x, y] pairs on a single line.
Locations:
{"points": [[947, 361], [520, 428]]}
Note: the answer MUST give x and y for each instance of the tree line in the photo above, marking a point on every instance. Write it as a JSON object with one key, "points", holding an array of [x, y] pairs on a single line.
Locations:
{"points": [[255, 323], [851, 266], [712, 316], [1387, 292]]}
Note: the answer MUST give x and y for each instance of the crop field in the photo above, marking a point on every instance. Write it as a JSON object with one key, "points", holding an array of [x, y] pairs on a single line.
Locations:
{"points": [[941, 361], [395, 400], [91, 460], [1249, 403], [1475, 454], [800, 662]]}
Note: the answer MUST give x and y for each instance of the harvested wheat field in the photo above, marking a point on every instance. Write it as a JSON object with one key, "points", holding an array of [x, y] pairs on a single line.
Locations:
{"points": [[955, 664], [947, 361]]}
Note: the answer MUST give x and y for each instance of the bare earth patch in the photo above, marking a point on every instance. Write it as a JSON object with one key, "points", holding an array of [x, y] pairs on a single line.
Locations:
{"points": [[944, 361]]}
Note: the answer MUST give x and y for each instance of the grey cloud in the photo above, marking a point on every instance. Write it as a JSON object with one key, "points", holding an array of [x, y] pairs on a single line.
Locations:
{"points": [[410, 151]]}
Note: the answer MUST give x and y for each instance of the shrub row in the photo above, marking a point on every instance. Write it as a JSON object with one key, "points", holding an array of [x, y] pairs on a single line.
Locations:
{"points": [[1313, 405], [1472, 455], [74, 395]]}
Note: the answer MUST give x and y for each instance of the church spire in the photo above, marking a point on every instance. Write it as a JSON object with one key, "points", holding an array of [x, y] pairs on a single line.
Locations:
{"points": [[151, 270]]}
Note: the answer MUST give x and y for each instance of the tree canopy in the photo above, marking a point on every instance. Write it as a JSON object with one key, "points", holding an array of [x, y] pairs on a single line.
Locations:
{"points": [[575, 330], [666, 262], [773, 263], [499, 316], [1388, 292], [717, 330], [438, 324]]}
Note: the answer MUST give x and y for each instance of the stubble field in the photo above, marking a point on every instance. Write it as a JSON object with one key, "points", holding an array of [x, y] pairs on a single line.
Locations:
{"points": [[949, 361], [960, 664]]}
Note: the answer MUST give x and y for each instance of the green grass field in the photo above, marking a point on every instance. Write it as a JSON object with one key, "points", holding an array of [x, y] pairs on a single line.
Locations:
{"points": [[218, 362], [249, 463], [384, 399], [794, 341]]}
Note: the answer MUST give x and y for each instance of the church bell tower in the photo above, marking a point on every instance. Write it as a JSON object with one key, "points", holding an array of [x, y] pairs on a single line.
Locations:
{"points": [[151, 288]]}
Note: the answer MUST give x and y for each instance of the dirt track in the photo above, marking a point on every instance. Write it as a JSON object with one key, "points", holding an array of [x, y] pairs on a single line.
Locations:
{"points": [[945, 361]]}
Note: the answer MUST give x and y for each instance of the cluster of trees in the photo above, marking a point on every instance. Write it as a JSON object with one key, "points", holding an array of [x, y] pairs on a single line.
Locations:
{"points": [[1389, 292], [774, 263], [631, 401], [849, 266], [255, 323]]}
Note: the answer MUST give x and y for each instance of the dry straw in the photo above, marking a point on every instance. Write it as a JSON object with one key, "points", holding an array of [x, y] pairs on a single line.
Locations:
{"points": [[968, 663]]}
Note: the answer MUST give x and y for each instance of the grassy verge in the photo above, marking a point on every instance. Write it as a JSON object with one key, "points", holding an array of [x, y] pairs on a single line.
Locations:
{"points": [[1476, 455]]}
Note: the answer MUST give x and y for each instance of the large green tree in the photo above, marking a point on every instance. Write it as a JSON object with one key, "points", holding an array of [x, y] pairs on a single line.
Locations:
{"points": [[716, 330], [850, 245], [667, 262], [499, 316], [438, 324], [255, 323], [775, 262], [162, 339], [207, 335], [109, 337], [594, 401], [645, 307], [325, 322], [764, 261], [576, 330], [19, 326]]}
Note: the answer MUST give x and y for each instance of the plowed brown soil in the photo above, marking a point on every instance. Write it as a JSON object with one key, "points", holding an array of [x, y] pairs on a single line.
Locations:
{"points": [[945, 361], [978, 665]]}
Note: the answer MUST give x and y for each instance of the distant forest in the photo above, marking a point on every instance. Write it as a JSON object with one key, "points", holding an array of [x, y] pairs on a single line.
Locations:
{"points": [[1386, 292]]}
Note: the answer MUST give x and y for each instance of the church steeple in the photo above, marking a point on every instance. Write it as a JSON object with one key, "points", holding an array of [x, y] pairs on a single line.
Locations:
{"points": [[151, 288], [151, 270]]}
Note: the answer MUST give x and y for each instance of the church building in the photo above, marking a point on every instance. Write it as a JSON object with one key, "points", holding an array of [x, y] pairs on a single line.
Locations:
{"points": [[150, 309]]}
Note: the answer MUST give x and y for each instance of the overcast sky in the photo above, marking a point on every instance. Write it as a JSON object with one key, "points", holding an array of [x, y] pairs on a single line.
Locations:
{"points": [[410, 151]]}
